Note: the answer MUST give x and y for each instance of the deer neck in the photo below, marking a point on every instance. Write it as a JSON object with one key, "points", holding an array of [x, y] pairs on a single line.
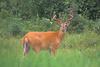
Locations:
{"points": [[60, 34]]}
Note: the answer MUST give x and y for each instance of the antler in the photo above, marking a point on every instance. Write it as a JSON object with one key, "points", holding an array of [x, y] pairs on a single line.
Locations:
{"points": [[70, 17], [59, 21]]}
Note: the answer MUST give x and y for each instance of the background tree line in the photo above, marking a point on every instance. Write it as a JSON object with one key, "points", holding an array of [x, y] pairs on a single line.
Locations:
{"points": [[24, 15]]}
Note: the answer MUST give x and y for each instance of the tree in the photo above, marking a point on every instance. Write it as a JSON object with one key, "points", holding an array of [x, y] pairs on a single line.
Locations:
{"points": [[89, 8]]}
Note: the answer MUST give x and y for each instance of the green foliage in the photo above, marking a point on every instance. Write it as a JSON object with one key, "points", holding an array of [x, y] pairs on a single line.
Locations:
{"points": [[78, 24], [27, 9], [35, 15], [11, 26], [89, 8], [20, 16], [4, 14], [14, 29]]}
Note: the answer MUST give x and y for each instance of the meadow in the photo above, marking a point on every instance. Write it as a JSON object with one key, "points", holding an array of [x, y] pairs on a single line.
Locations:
{"points": [[76, 50]]}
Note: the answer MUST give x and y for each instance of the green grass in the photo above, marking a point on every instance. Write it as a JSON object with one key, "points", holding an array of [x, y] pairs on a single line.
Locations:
{"points": [[11, 53]]}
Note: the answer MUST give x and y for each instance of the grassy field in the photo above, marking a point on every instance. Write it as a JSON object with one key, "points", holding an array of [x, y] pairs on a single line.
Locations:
{"points": [[77, 50]]}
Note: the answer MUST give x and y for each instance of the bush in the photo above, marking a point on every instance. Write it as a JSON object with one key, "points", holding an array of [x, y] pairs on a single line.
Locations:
{"points": [[15, 26], [4, 14], [11, 27], [14, 29], [78, 24]]}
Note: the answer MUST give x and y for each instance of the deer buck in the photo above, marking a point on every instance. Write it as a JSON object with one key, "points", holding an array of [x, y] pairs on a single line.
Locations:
{"points": [[46, 40]]}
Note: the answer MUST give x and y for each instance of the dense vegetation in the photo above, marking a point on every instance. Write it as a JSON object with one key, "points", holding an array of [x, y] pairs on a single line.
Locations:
{"points": [[20, 16], [80, 46]]}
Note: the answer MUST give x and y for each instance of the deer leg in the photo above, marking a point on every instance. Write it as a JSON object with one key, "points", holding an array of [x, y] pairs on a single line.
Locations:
{"points": [[54, 48], [37, 49], [53, 51]]}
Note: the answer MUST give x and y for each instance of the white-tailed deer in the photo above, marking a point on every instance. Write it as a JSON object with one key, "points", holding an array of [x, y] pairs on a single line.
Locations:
{"points": [[46, 40]]}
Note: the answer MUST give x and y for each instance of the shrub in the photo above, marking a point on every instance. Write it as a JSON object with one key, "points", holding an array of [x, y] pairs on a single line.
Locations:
{"points": [[14, 29], [78, 24], [15, 26], [10, 26], [4, 14]]}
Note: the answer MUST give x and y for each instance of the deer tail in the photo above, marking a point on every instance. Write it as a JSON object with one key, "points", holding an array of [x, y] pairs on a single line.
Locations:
{"points": [[25, 43]]}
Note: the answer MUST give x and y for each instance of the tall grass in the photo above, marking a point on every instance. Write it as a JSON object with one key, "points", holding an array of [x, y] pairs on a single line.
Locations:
{"points": [[74, 53]]}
